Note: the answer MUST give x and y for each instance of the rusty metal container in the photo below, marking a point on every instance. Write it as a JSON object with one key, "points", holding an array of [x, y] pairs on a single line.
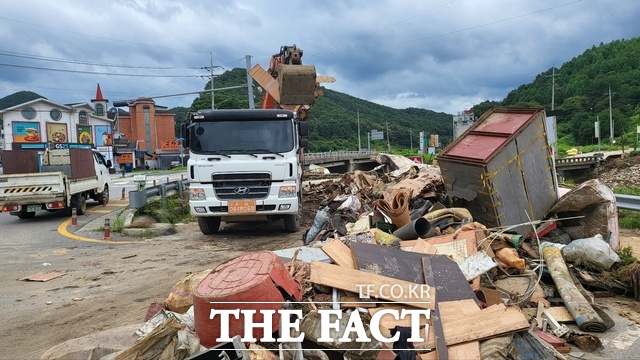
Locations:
{"points": [[501, 168], [297, 84]]}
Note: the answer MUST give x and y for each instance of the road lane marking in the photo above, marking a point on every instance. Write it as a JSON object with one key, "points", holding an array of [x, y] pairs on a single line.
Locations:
{"points": [[62, 230]]}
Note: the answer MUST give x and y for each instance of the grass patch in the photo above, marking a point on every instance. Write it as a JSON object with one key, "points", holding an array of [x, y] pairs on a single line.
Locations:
{"points": [[627, 190], [174, 211], [626, 255], [629, 219]]}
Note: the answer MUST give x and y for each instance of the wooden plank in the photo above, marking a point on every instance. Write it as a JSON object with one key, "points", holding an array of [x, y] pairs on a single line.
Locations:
{"points": [[560, 313], [450, 281], [376, 286], [492, 321], [266, 81], [351, 301], [467, 351], [44, 276], [386, 261], [458, 247], [423, 247], [339, 253], [436, 320]]}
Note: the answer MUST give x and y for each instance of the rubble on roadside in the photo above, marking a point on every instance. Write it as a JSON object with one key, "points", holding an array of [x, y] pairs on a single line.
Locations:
{"points": [[399, 241]]}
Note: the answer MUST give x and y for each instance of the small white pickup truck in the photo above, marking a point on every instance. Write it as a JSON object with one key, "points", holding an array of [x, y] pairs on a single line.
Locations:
{"points": [[58, 179]]}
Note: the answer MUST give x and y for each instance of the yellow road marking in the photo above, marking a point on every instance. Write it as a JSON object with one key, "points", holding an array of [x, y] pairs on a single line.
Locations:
{"points": [[101, 211], [62, 230]]}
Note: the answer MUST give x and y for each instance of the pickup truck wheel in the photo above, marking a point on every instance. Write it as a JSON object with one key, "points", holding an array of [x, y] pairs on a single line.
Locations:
{"points": [[26, 215], [291, 223], [209, 225], [103, 198], [80, 203]]}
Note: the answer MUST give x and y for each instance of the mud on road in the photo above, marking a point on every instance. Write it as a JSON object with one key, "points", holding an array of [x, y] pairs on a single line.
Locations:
{"points": [[107, 286]]}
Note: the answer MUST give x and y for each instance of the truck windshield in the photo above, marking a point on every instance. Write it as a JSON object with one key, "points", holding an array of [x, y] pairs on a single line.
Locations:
{"points": [[242, 137]]}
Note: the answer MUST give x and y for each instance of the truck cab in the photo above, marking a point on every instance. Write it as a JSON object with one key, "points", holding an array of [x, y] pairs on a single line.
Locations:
{"points": [[245, 165]]}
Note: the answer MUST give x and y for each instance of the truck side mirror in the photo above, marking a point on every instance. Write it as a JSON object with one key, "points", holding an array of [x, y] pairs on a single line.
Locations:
{"points": [[303, 128], [304, 143], [109, 164], [184, 133]]}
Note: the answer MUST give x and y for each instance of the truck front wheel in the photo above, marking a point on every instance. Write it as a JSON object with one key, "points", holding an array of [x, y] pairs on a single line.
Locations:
{"points": [[80, 203], [209, 225], [291, 223]]}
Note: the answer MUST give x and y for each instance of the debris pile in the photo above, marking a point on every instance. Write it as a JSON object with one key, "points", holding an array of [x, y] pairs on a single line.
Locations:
{"points": [[393, 268]]}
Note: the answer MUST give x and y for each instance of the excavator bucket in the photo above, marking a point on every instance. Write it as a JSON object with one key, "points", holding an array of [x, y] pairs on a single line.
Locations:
{"points": [[297, 84]]}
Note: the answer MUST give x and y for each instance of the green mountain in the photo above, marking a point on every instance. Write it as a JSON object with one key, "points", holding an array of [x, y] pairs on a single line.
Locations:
{"points": [[333, 120], [18, 98], [582, 93]]}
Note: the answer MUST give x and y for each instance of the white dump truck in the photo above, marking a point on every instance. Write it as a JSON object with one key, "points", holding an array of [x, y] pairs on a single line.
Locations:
{"points": [[245, 165], [62, 177]]}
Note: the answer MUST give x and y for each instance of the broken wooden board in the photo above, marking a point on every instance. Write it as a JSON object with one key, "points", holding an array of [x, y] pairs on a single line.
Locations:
{"points": [[42, 276], [450, 281], [438, 332], [266, 81], [386, 261], [560, 313], [423, 247], [350, 301], [467, 351], [373, 285], [492, 321], [339, 253], [459, 248]]}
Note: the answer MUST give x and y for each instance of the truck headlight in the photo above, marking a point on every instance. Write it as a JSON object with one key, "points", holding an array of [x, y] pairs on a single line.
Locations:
{"points": [[287, 192], [197, 194]]}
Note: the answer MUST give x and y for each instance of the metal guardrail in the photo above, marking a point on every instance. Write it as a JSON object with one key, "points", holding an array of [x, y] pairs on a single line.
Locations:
{"points": [[628, 202], [138, 198], [338, 155]]}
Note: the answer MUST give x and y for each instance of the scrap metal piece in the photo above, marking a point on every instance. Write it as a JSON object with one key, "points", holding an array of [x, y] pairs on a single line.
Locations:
{"points": [[558, 329]]}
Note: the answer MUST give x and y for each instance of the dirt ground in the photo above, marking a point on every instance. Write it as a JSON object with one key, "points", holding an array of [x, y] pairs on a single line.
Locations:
{"points": [[108, 286]]}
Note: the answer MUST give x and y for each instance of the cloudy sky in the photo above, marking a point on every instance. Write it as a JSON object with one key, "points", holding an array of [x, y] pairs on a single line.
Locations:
{"points": [[442, 55]]}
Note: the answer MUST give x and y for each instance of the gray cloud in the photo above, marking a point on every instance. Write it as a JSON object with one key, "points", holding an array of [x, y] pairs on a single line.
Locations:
{"points": [[443, 56]]}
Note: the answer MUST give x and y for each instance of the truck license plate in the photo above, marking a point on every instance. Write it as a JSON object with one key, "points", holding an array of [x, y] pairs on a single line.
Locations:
{"points": [[34, 208], [242, 207]]}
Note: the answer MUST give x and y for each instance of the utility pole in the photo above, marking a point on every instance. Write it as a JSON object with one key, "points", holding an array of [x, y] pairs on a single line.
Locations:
{"points": [[553, 86], [213, 94], [210, 68], [359, 147], [411, 139], [249, 83], [388, 143], [611, 118]]}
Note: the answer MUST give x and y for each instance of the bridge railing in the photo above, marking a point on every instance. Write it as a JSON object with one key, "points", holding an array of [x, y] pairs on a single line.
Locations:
{"points": [[337, 155], [582, 160]]}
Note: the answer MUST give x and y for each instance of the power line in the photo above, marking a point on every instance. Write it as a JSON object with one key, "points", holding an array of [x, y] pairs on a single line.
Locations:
{"points": [[82, 62], [96, 72]]}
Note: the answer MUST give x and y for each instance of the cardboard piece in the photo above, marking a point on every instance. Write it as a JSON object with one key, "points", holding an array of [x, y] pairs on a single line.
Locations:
{"points": [[44, 276]]}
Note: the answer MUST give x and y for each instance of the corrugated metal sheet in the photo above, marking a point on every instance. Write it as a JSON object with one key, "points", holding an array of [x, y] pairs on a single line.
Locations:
{"points": [[82, 163], [501, 168], [20, 161]]}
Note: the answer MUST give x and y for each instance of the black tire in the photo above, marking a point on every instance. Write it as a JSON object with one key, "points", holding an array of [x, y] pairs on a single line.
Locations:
{"points": [[291, 223], [103, 198], [80, 203], [26, 215], [209, 225]]}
